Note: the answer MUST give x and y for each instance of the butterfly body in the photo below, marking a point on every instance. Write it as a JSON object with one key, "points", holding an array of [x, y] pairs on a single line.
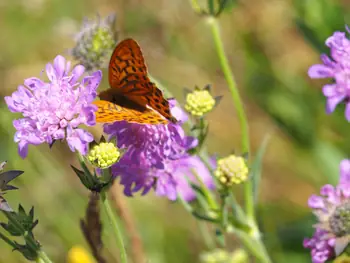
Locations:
{"points": [[132, 96]]}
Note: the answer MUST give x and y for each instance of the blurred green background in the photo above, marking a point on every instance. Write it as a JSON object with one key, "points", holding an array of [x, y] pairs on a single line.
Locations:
{"points": [[270, 45]]}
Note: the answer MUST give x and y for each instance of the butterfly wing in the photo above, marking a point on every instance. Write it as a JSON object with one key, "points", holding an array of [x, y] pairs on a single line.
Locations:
{"points": [[111, 112], [128, 76]]}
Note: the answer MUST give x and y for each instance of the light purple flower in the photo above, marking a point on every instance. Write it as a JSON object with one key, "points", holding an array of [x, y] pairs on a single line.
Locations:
{"points": [[332, 209], [177, 175], [53, 110], [338, 68]]}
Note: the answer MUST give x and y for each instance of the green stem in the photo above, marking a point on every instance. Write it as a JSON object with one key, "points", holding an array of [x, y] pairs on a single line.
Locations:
{"points": [[43, 258], [215, 29], [115, 227], [231, 83], [248, 186]]}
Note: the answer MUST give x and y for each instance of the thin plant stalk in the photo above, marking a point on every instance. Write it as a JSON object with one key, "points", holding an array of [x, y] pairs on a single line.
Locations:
{"points": [[116, 229], [248, 189], [136, 246]]}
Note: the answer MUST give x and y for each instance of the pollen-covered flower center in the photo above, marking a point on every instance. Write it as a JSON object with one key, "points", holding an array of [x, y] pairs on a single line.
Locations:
{"points": [[199, 102], [231, 170], [104, 155], [340, 220]]}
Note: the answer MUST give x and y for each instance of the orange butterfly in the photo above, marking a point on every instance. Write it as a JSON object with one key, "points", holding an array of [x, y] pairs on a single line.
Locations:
{"points": [[132, 96]]}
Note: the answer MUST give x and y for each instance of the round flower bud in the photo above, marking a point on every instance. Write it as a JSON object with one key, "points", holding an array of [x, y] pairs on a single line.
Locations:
{"points": [[231, 170], [95, 43], [199, 102], [104, 155]]}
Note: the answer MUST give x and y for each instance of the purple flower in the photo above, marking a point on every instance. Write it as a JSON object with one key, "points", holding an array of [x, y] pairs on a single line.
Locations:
{"points": [[157, 157], [152, 143], [338, 68], [332, 209], [177, 175], [53, 110]]}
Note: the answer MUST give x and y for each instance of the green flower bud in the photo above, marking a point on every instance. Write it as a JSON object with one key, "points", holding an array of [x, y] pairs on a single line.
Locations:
{"points": [[215, 256], [95, 43], [199, 102], [231, 170], [104, 155]]}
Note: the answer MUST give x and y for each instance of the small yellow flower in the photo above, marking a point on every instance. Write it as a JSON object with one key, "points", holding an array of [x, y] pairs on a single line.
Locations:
{"points": [[104, 155], [199, 102], [231, 170], [78, 254]]}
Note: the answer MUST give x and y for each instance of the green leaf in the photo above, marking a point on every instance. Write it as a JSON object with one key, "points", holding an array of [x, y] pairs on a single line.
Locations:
{"points": [[211, 7], [25, 250], [255, 169], [20, 223]]}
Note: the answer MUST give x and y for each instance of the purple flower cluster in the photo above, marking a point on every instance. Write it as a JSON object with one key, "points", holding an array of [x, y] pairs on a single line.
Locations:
{"points": [[338, 68], [53, 110], [157, 157], [332, 209]]}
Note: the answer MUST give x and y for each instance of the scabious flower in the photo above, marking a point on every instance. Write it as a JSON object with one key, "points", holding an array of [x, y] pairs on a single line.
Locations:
{"points": [[53, 110], [95, 43], [157, 158], [338, 68], [103, 155], [231, 170], [199, 102], [332, 209], [177, 175]]}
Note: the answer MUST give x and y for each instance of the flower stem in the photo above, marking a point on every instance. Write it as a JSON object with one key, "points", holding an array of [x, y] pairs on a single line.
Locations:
{"points": [[248, 187], [42, 257], [115, 227], [215, 29]]}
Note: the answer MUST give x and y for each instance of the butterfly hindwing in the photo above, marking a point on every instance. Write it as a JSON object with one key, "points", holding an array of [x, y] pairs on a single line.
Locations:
{"points": [[109, 112]]}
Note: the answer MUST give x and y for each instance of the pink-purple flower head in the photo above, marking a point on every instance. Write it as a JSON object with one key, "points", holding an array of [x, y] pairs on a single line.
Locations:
{"points": [[338, 68], [53, 110], [332, 209], [157, 157]]}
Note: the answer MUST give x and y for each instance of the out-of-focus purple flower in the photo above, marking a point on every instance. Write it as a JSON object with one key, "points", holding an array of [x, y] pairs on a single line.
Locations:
{"points": [[338, 68], [322, 247], [332, 209], [53, 110], [177, 175]]}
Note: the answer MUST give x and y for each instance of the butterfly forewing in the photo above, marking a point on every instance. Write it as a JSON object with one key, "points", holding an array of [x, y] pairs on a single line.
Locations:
{"points": [[128, 79]]}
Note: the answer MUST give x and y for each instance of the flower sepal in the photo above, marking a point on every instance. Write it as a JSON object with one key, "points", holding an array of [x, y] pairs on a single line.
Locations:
{"points": [[92, 182]]}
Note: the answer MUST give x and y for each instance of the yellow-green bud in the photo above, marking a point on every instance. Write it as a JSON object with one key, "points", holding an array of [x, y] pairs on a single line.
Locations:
{"points": [[215, 256], [239, 256], [231, 170], [199, 102], [104, 155]]}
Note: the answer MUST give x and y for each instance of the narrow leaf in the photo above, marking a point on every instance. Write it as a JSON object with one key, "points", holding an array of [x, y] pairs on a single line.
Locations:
{"points": [[255, 169]]}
